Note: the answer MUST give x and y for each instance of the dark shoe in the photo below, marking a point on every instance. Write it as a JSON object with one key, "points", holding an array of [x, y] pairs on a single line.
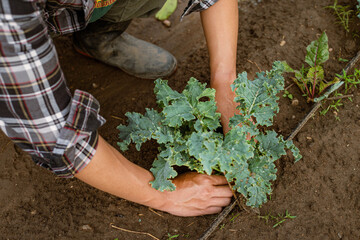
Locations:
{"points": [[134, 56]]}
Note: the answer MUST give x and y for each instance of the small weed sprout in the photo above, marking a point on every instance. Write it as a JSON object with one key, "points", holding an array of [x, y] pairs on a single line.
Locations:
{"points": [[279, 219], [350, 81], [234, 217], [172, 236], [343, 14], [288, 95]]}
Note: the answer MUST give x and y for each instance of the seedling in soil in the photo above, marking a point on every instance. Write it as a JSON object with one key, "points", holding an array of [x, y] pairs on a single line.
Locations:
{"points": [[187, 235], [343, 14], [172, 236], [343, 60], [279, 219], [288, 95], [334, 106], [188, 133], [234, 217], [350, 81], [311, 80]]}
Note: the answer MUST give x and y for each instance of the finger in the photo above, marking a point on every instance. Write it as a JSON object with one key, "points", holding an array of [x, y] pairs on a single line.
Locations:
{"points": [[213, 210], [222, 191], [219, 202], [218, 180]]}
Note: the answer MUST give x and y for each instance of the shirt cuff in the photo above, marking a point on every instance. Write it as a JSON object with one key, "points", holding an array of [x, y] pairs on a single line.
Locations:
{"points": [[197, 6], [77, 141]]}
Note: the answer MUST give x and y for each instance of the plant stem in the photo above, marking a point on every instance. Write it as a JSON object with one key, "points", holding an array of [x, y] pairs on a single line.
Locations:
{"points": [[315, 73]]}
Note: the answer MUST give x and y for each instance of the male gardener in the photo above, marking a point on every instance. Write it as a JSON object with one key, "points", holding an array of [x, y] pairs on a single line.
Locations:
{"points": [[59, 131]]}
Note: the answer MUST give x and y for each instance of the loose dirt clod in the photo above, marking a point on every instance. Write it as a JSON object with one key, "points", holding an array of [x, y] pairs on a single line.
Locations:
{"points": [[86, 228], [295, 102], [167, 23]]}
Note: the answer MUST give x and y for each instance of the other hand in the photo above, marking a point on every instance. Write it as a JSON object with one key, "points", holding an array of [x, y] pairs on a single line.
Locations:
{"points": [[198, 194]]}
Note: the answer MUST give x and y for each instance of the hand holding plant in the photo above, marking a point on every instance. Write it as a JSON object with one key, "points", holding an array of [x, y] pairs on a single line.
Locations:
{"points": [[187, 132]]}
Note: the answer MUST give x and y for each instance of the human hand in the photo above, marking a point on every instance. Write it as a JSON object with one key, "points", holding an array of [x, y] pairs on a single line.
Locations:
{"points": [[197, 194], [225, 104]]}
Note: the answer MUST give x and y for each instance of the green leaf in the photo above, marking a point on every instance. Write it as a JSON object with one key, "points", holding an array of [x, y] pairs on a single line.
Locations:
{"points": [[287, 67], [317, 51], [204, 146], [257, 98], [166, 11], [194, 90], [164, 94], [195, 143], [140, 128], [202, 101], [315, 74], [267, 146], [295, 151], [209, 158], [235, 142], [162, 172], [187, 133], [333, 88], [180, 110], [324, 85], [239, 174]]}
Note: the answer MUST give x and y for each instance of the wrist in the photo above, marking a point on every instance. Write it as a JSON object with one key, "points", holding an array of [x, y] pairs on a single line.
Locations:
{"points": [[153, 198], [222, 78]]}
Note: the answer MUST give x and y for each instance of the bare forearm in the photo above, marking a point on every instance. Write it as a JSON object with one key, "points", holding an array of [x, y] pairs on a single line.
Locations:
{"points": [[195, 194], [111, 172], [220, 23]]}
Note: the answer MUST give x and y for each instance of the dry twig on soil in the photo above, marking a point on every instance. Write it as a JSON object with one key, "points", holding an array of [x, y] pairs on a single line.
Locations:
{"points": [[152, 210], [130, 231]]}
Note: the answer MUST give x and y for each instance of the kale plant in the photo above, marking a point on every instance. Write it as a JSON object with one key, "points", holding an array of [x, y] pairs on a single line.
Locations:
{"points": [[187, 131]]}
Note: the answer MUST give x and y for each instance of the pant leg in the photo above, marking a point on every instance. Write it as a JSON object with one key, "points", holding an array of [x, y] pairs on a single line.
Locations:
{"points": [[125, 10], [118, 18]]}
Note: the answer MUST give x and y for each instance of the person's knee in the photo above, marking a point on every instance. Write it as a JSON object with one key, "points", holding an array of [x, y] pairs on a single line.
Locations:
{"points": [[129, 9]]}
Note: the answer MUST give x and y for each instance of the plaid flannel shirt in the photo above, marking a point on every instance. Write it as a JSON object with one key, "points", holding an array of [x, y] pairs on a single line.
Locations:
{"points": [[37, 110]]}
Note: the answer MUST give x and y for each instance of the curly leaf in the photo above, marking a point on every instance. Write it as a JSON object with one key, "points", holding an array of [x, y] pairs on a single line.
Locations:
{"points": [[162, 172], [267, 146], [256, 98], [239, 174], [202, 100], [180, 110], [142, 128], [295, 151], [236, 144], [164, 94]]}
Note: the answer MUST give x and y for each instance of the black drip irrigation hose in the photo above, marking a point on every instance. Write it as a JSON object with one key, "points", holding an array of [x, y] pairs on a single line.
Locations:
{"points": [[229, 208]]}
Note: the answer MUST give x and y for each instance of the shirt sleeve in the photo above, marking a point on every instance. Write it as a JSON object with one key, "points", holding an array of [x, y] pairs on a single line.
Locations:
{"points": [[37, 110], [197, 6]]}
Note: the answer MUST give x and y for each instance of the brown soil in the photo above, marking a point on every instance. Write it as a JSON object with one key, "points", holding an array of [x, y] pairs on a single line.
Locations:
{"points": [[322, 190]]}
